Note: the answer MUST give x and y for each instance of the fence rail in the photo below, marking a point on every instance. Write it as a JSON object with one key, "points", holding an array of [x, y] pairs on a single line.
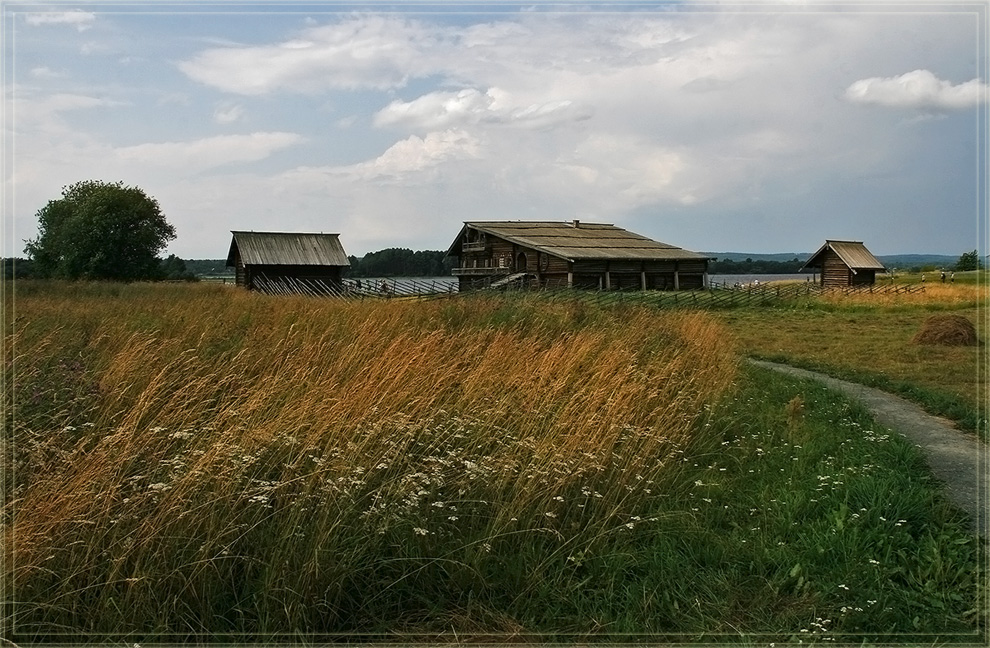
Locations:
{"points": [[355, 288], [716, 296]]}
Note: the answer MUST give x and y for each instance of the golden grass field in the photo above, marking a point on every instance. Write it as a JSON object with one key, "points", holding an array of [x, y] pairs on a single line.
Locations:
{"points": [[162, 429]]}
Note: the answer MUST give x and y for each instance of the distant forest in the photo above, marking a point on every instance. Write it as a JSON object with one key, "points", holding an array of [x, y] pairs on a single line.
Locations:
{"points": [[401, 262], [755, 266]]}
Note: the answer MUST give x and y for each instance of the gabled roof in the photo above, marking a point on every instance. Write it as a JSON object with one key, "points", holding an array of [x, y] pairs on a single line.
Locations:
{"points": [[577, 241], [287, 248], [853, 253]]}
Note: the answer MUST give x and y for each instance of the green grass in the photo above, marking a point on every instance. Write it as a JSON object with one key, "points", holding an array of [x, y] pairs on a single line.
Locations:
{"points": [[935, 401], [169, 499], [822, 526]]}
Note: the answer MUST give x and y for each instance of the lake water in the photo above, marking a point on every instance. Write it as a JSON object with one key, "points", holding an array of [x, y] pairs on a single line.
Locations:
{"points": [[746, 279]]}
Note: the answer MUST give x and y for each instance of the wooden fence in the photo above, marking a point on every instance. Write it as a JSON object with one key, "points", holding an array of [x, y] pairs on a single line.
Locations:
{"points": [[716, 296], [355, 288]]}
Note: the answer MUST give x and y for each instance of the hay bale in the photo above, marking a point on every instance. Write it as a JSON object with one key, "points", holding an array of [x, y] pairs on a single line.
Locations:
{"points": [[947, 330]]}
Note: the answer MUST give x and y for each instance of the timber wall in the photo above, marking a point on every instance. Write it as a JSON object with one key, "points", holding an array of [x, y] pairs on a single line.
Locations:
{"points": [[554, 272]]}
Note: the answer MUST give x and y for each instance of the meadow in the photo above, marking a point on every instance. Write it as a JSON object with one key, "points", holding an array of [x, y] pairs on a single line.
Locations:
{"points": [[868, 339], [194, 462]]}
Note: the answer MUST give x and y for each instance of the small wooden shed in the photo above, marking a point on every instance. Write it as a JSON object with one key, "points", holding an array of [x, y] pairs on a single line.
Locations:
{"points": [[571, 254], [264, 260], [845, 264]]}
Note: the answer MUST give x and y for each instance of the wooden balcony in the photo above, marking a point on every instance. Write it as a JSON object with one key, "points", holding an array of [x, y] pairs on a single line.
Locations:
{"points": [[479, 272], [473, 246]]}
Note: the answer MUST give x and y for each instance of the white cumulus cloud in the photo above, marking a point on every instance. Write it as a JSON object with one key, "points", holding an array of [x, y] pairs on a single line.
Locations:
{"points": [[469, 107], [405, 160], [918, 89], [416, 154]]}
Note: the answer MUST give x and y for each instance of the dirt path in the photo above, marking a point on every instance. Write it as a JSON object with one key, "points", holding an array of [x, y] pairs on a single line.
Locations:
{"points": [[956, 458]]}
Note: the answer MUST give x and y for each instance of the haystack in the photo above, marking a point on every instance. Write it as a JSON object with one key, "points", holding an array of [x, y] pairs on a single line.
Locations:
{"points": [[947, 330]]}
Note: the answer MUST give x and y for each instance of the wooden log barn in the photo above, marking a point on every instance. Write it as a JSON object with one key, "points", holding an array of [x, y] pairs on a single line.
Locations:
{"points": [[267, 259], [845, 264], [571, 254]]}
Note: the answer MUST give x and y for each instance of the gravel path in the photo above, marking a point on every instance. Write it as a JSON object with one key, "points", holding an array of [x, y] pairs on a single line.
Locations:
{"points": [[958, 459]]}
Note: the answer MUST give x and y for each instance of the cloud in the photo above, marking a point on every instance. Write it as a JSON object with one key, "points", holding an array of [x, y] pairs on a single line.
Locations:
{"points": [[35, 110], [207, 153], [384, 52], [81, 20], [410, 162], [630, 173], [918, 89], [416, 154], [94, 47], [406, 160], [228, 114], [43, 72], [372, 52], [470, 107]]}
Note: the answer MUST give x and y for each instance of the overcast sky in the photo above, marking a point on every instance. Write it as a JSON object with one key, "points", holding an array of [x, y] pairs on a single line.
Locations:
{"points": [[750, 128]]}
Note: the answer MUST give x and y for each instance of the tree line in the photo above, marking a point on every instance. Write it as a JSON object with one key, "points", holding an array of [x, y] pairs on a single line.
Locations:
{"points": [[757, 266], [400, 262]]}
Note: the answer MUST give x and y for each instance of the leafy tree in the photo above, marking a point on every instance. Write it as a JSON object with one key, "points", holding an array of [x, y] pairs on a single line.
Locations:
{"points": [[969, 261], [174, 269], [100, 230]]}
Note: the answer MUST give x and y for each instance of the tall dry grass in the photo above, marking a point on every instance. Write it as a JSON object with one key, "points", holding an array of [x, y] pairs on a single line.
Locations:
{"points": [[197, 459], [935, 295]]}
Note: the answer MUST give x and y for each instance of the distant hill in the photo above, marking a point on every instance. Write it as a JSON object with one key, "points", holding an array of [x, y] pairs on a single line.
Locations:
{"points": [[889, 260], [918, 260], [743, 256]]}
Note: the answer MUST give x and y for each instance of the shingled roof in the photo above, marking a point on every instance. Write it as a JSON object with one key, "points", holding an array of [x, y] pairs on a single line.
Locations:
{"points": [[287, 248], [577, 241], [853, 253]]}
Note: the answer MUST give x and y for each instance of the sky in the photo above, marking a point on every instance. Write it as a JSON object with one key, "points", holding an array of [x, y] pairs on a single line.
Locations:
{"points": [[762, 128]]}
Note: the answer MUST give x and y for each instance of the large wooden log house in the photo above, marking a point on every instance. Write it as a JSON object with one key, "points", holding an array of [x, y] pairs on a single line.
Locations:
{"points": [[845, 264], [571, 254], [283, 260]]}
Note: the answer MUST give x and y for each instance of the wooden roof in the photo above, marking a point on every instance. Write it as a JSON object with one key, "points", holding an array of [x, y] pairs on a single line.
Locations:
{"points": [[577, 241], [287, 248], [853, 253]]}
